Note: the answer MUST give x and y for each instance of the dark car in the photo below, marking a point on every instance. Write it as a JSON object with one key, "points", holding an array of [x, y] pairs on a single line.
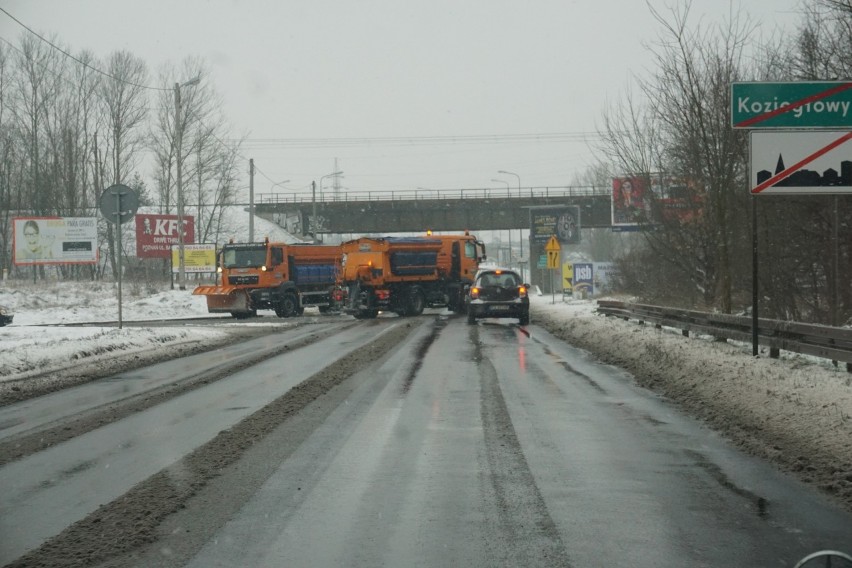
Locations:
{"points": [[5, 316], [498, 293]]}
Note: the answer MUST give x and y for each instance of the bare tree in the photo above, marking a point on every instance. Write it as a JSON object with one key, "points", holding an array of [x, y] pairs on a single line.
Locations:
{"points": [[208, 164], [125, 97], [683, 130]]}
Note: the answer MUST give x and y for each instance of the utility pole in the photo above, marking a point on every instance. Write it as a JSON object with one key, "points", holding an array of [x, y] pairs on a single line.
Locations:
{"points": [[251, 200], [336, 184], [312, 224], [178, 144], [179, 158]]}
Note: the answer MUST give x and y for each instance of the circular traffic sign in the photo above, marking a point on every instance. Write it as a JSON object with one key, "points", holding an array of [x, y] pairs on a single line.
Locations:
{"points": [[118, 203]]}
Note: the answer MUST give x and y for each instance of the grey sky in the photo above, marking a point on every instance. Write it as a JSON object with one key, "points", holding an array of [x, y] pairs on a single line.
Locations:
{"points": [[330, 69]]}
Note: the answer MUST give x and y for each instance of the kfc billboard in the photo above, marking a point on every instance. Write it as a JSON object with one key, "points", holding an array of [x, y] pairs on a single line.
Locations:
{"points": [[155, 234]]}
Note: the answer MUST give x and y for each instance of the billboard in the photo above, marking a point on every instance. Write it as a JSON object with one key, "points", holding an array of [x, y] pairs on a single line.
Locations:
{"points": [[583, 282], [54, 240], [631, 202], [155, 234], [197, 258], [562, 221]]}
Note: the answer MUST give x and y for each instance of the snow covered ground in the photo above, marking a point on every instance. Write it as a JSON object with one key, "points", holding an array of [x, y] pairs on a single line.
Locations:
{"points": [[29, 347], [795, 411]]}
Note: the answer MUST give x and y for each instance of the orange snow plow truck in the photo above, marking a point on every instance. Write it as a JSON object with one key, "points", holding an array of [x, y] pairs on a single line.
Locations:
{"points": [[407, 274], [273, 276]]}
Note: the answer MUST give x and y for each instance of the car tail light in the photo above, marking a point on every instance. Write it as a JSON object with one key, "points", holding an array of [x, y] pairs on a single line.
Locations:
{"points": [[474, 292], [522, 291]]}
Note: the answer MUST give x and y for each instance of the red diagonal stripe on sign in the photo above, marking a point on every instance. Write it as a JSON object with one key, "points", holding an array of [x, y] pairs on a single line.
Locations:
{"points": [[797, 104], [805, 161]]}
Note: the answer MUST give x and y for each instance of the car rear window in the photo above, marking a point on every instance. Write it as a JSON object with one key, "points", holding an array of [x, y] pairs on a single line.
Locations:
{"points": [[505, 280]]}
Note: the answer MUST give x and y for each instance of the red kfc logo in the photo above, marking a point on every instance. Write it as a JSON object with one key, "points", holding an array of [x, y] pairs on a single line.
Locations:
{"points": [[155, 234]]}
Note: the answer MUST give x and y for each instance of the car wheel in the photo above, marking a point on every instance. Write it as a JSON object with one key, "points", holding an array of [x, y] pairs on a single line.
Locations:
{"points": [[471, 319], [524, 319]]}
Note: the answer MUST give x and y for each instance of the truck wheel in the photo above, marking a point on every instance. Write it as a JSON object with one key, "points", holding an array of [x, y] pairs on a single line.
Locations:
{"points": [[287, 305], [416, 302]]}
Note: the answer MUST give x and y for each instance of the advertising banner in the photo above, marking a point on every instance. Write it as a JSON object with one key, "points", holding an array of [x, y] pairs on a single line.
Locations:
{"points": [[155, 234], [584, 281], [55, 240], [604, 277], [562, 221], [631, 203], [567, 278], [197, 258]]}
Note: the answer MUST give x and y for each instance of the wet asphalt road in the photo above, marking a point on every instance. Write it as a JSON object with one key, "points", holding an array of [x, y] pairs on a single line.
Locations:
{"points": [[483, 446], [466, 445]]}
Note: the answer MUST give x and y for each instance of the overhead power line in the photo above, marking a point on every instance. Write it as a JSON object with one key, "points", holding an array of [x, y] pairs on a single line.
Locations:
{"points": [[260, 143], [78, 60]]}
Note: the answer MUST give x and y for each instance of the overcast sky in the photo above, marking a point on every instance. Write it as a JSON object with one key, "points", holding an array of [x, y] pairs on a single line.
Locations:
{"points": [[480, 72]]}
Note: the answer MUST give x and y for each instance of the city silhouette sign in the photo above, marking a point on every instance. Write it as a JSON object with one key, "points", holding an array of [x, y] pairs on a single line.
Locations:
{"points": [[801, 162]]}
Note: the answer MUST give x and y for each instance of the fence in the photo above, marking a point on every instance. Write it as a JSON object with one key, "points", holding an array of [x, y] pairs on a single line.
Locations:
{"points": [[832, 343]]}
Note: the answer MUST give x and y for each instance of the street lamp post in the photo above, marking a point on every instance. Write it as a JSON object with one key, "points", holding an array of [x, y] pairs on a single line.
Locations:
{"points": [[502, 181], [275, 184], [521, 239], [314, 202], [179, 164]]}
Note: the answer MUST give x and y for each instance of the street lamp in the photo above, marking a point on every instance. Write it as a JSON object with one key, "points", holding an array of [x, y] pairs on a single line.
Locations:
{"points": [[502, 181], [513, 174], [314, 202], [271, 187], [510, 230], [179, 149]]}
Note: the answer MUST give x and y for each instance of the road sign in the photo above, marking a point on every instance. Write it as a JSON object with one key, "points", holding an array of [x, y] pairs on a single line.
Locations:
{"points": [[118, 203], [812, 162], [553, 259], [553, 244], [815, 104]]}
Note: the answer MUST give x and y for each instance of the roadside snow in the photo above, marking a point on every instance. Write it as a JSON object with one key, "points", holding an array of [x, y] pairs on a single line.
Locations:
{"points": [[32, 345]]}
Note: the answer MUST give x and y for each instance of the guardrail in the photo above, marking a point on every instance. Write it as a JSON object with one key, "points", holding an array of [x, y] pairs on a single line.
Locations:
{"points": [[834, 343]]}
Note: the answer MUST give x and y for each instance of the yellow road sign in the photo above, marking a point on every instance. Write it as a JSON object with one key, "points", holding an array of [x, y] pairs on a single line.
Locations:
{"points": [[552, 245], [553, 259]]}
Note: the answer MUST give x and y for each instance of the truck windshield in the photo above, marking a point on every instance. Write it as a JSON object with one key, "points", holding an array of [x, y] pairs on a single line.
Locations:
{"points": [[244, 257]]}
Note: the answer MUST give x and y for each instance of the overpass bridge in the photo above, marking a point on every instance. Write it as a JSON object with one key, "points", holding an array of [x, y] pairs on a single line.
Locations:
{"points": [[382, 212]]}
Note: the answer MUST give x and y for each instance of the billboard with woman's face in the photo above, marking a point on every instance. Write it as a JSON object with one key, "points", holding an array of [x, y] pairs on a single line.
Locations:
{"points": [[55, 240], [630, 202]]}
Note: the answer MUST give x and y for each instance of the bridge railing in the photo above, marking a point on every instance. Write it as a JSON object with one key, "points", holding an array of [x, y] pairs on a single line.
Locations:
{"points": [[834, 343], [329, 196]]}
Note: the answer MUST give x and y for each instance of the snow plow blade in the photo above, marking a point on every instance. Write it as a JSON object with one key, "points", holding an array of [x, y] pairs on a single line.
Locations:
{"points": [[224, 299]]}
